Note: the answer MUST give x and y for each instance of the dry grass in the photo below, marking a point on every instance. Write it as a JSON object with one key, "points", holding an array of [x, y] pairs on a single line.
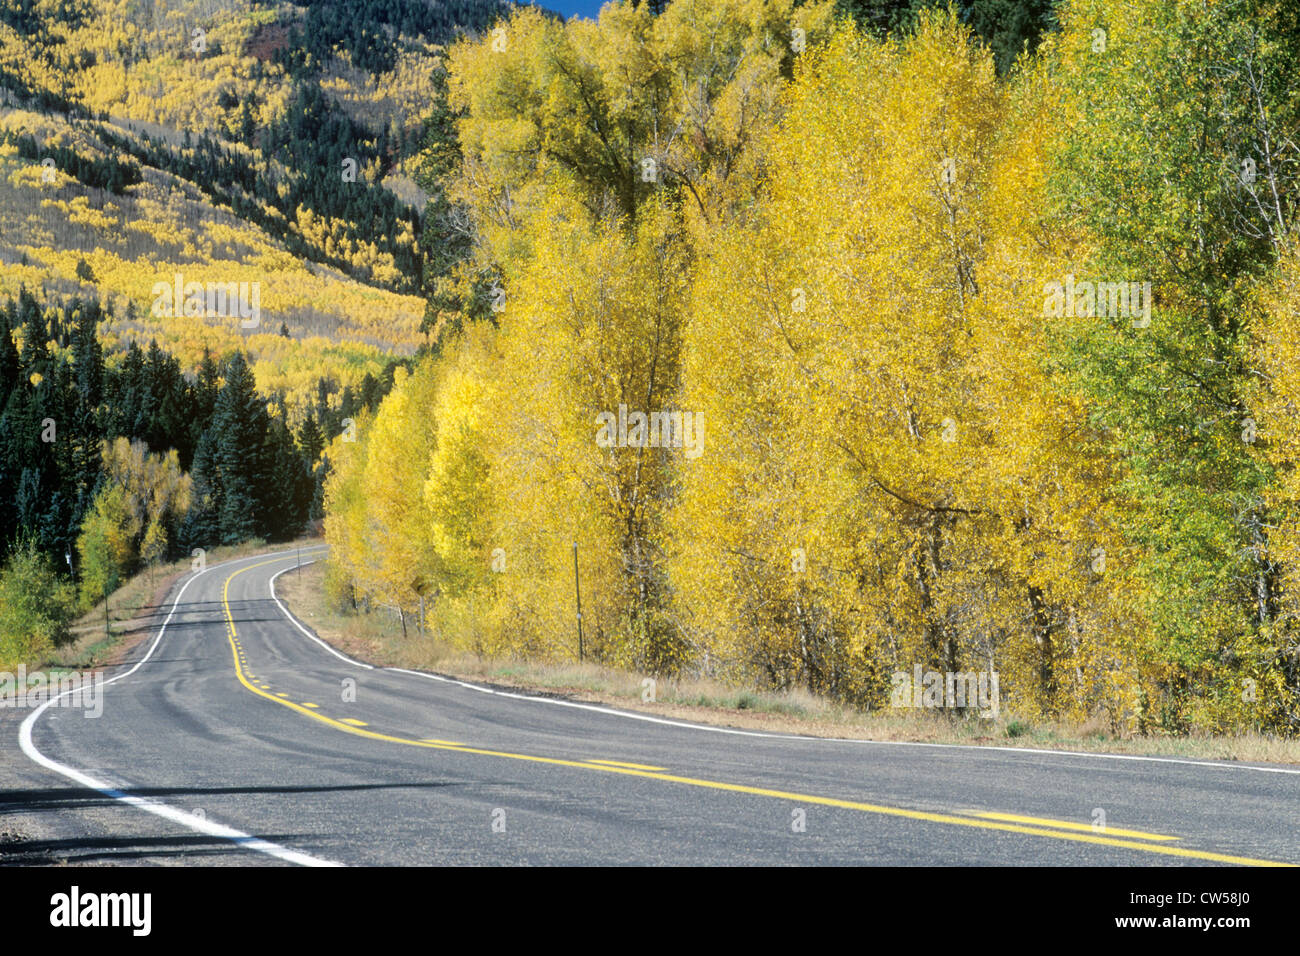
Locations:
{"points": [[377, 638]]}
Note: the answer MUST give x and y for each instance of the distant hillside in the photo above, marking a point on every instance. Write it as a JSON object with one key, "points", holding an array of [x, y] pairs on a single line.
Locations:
{"points": [[229, 142]]}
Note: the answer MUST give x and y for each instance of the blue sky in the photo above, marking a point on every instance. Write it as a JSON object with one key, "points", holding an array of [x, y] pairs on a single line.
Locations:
{"points": [[584, 8]]}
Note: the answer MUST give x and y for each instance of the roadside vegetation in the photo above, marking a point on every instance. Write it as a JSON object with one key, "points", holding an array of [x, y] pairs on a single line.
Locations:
{"points": [[96, 635], [376, 637], [804, 344], [820, 352]]}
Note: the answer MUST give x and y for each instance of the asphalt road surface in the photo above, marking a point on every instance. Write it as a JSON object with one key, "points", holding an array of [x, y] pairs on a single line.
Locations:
{"points": [[235, 736]]}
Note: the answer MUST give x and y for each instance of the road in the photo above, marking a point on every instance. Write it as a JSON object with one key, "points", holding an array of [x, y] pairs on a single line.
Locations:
{"points": [[235, 736]]}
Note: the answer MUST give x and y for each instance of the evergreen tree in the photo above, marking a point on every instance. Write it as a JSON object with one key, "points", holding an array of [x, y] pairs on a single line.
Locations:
{"points": [[1007, 26], [86, 429], [9, 366], [201, 526], [35, 353], [287, 495], [203, 402], [310, 440], [239, 428]]}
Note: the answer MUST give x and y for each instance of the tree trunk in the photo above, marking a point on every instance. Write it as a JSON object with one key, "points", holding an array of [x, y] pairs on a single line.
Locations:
{"points": [[1043, 627]]}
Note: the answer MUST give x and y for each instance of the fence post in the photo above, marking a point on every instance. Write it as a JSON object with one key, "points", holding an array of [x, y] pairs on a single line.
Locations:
{"points": [[577, 593]]}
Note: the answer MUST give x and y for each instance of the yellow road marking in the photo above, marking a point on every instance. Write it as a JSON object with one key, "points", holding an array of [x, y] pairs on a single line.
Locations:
{"points": [[313, 706], [354, 722], [921, 815], [623, 763], [1069, 825], [435, 740]]}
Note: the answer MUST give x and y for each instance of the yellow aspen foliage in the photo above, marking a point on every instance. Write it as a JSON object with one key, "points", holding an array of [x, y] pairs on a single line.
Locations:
{"points": [[591, 325], [1277, 434], [475, 567], [398, 445], [754, 327], [354, 560], [884, 489], [156, 488], [457, 495]]}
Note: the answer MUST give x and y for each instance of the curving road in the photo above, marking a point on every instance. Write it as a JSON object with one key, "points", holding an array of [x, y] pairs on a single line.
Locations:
{"points": [[236, 736]]}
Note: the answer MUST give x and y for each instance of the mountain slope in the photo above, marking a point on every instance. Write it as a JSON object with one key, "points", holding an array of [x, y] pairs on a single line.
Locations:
{"points": [[228, 143]]}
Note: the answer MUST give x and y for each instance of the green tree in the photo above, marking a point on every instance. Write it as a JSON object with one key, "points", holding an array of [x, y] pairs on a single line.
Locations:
{"points": [[1177, 101], [154, 546], [34, 607], [240, 424], [105, 545]]}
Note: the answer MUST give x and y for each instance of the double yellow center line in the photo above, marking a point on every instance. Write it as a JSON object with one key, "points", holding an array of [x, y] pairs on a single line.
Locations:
{"points": [[1008, 823]]}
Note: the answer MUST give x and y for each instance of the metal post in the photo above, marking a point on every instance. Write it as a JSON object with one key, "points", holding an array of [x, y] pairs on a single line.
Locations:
{"points": [[577, 593]]}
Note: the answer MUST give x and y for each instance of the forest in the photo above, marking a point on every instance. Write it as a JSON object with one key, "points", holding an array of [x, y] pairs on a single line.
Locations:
{"points": [[886, 261], [126, 440], [805, 341], [108, 467]]}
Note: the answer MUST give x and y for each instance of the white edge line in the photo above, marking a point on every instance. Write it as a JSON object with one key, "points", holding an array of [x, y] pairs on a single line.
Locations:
{"points": [[199, 824], [298, 624], [965, 748], [631, 715]]}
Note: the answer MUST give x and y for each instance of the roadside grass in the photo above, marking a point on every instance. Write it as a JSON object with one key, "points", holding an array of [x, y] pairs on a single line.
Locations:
{"points": [[377, 638]]}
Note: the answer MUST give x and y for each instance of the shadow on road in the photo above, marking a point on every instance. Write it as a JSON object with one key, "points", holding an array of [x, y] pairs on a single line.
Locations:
{"points": [[75, 798], [107, 849], [17, 850]]}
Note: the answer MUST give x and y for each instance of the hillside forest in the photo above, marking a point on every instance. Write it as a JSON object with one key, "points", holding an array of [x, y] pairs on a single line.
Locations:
{"points": [[804, 343]]}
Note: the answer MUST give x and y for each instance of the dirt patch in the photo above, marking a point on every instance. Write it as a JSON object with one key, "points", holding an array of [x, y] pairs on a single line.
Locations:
{"points": [[267, 41]]}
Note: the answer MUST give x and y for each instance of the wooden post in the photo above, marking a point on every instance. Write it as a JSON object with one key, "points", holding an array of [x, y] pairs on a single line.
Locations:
{"points": [[577, 593]]}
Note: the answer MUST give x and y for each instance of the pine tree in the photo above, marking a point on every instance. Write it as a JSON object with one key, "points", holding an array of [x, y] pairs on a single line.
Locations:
{"points": [[310, 440], [286, 496], [240, 425], [86, 429], [201, 527], [203, 402], [9, 364], [35, 356]]}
